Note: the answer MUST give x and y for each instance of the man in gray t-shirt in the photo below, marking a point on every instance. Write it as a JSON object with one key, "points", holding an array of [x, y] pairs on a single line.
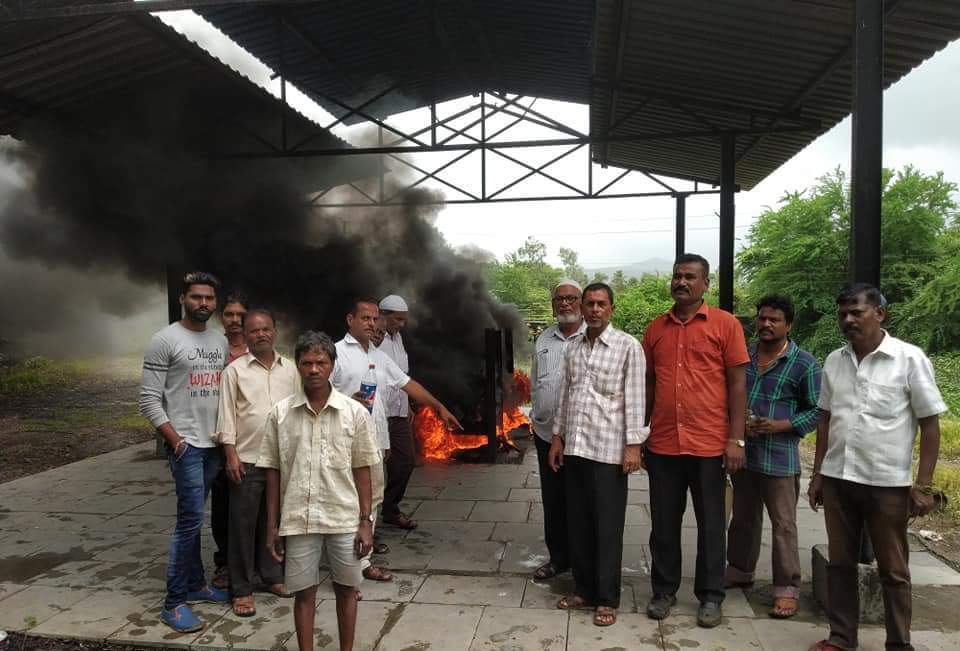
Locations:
{"points": [[180, 395]]}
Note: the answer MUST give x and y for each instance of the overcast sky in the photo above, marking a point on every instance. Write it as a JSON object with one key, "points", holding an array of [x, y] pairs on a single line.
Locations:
{"points": [[921, 127]]}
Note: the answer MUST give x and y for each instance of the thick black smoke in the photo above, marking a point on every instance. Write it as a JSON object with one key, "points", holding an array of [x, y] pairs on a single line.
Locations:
{"points": [[133, 202]]}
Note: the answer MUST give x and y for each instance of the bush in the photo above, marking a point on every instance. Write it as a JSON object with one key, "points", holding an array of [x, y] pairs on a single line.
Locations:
{"points": [[38, 372], [947, 368]]}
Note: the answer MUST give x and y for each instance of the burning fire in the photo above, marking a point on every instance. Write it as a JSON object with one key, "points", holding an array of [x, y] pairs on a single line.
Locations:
{"points": [[438, 442]]}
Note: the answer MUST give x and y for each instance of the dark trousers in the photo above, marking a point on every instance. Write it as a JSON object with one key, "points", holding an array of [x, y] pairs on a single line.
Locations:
{"points": [[553, 492], [752, 491], [220, 516], [670, 478], [248, 554], [596, 510], [399, 466], [848, 507]]}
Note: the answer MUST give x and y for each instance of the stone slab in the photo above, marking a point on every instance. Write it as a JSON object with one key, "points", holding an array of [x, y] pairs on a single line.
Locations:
{"points": [[403, 587], [523, 558], [432, 626], [373, 620], [733, 633], [472, 590], [486, 511], [927, 569], [8, 589], [525, 495], [99, 615], [34, 605], [139, 524], [141, 548], [504, 629], [484, 491], [444, 510], [632, 631], [438, 531], [268, 629], [96, 575], [478, 556], [637, 514], [165, 505], [734, 605], [146, 629]]}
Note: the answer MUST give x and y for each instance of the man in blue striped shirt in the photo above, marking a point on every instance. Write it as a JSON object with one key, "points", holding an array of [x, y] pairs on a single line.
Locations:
{"points": [[783, 384]]}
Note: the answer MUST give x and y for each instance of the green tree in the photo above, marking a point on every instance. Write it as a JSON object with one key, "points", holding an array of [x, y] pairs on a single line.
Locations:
{"points": [[571, 265], [525, 279], [599, 277], [618, 282], [641, 303]]}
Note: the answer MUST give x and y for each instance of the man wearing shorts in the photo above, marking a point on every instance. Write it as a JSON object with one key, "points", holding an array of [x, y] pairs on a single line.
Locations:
{"points": [[317, 451]]}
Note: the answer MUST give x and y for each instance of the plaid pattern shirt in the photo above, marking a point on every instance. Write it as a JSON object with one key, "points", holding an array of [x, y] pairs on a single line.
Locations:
{"points": [[787, 391], [602, 397]]}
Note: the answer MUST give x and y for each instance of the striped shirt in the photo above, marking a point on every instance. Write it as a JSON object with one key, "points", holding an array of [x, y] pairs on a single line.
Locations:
{"points": [[602, 397], [788, 390], [545, 374]]}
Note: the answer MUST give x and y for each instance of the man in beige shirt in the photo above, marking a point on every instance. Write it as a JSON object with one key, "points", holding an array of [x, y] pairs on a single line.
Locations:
{"points": [[318, 447], [250, 386]]}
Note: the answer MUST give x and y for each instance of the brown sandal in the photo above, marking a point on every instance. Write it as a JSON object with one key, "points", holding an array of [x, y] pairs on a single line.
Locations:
{"points": [[377, 573], [783, 608], [244, 606], [605, 616], [277, 590], [401, 522], [572, 602]]}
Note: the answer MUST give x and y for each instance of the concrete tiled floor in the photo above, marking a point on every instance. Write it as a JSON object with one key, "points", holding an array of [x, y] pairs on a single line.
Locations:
{"points": [[83, 554]]}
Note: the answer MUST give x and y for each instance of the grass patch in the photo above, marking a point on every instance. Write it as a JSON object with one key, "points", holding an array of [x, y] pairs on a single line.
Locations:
{"points": [[946, 477], [39, 373], [86, 418]]}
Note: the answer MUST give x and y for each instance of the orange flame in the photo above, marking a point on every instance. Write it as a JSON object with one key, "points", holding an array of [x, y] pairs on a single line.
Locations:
{"points": [[438, 442]]}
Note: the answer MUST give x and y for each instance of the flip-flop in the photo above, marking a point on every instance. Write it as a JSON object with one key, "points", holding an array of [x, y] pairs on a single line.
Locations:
{"points": [[783, 608], [824, 645], [546, 571], [377, 573], [401, 522], [573, 602], [277, 590], [244, 606], [605, 616], [381, 548]]}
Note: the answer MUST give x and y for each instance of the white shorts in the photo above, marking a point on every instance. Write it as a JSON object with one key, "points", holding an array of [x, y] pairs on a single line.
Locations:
{"points": [[305, 553]]}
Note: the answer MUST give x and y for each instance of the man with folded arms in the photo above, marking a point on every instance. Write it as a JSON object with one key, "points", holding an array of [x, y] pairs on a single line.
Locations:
{"points": [[876, 391]]}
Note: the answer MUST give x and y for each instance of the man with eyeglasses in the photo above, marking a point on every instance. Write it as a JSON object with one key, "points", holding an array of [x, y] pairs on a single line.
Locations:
{"points": [[545, 390]]}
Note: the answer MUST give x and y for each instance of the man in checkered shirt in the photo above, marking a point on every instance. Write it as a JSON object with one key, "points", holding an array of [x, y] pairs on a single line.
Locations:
{"points": [[596, 438]]}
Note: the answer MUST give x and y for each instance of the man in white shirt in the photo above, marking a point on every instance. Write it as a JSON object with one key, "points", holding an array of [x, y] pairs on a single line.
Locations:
{"points": [[545, 371], [355, 354], [875, 392], [402, 460]]}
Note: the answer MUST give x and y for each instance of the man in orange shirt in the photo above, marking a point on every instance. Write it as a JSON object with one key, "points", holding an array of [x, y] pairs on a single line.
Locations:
{"points": [[696, 397]]}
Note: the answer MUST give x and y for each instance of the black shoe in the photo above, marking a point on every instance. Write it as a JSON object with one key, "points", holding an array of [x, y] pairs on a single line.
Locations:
{"points": [[659, 605], [709, 614]]}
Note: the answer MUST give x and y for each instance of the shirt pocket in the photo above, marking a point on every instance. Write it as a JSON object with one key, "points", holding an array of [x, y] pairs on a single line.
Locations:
{"points": [[340, 444], [543, 364], [705, 355], [886, 401], [607, 382]]}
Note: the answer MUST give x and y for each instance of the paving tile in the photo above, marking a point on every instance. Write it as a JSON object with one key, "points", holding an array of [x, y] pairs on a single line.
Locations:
{"points": [[634, 561], [7, 589], [151, 578], [471, 590], [34, 605], [437, 531], [484, 491], [479, 556], [632, 631], [523, 558], [423, 492], [504, 629], [525, 532], [500, 512], [732, 633], [403, 587], [372, 620], [525, 495], [408, 555], [97, 575], [432, 626], [927, 569], [268, 629], [636, 534], [734, 605], [638, 497], [99, 615], [141, 548], [546, 594], [106, 504], [164, 505], [146, 629], [637, 514], [136, 524], [780, 635], [444, 510], [142, 488], [536, 513]]}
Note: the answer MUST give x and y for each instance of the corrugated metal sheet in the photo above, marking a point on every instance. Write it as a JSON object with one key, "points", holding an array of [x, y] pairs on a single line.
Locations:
{"points": [[677, 65], [132, 74]]}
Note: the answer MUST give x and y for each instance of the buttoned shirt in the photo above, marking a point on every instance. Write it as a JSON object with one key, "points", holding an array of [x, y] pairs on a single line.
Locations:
{"points": [[396, 400], [874, 407], [602, 396], [316, 452], [545, 371], [352, 364], [248, 390], [787, 390], [690, 360]]}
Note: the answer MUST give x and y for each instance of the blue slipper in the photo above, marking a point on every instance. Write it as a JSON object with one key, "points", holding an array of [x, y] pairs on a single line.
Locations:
{"points": [[208, 594], [181, 619]]}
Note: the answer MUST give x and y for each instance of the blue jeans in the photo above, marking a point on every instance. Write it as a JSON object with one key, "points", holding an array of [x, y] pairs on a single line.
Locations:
{"points": [[193, 473]]}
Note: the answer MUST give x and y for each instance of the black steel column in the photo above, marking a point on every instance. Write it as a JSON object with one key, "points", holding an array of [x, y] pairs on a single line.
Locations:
{"points": [[727, 220], [681, 224], [867, 142], [174, 278]]}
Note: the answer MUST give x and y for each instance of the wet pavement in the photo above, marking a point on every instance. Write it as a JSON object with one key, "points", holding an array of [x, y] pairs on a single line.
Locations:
{"points": [[83, 551]]}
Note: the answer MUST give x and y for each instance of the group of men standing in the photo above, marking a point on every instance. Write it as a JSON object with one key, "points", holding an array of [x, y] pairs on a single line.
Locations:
{"points": [[297, 455], [693, 404]]}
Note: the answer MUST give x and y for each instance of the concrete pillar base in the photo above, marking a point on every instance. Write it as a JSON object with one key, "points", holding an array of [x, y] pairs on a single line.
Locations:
{"points": [[868, 585]]}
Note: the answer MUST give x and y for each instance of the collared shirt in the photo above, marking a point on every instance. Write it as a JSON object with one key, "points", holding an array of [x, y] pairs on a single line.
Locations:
{"points": [[248, 390], [602, 396], [874, 407], [545, 372], [788, 390], [316, 453], [352, 364], [690, 361], [396, 400]]}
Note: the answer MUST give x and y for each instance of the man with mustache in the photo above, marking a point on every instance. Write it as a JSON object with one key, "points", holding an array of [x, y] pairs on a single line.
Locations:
{"points": [[231, 317], [783, 384], [876, 391], [250, 387], [696, 397], [545, 373], [179, 395]]}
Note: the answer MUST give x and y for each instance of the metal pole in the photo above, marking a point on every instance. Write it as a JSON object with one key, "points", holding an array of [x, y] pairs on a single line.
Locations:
{"points": [[483, 152], [433, 124], [681, 224], [867, 142], [727, 220], [174, 312]]}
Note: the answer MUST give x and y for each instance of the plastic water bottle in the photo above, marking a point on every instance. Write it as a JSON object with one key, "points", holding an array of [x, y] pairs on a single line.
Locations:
{"points": [[368, 386]]}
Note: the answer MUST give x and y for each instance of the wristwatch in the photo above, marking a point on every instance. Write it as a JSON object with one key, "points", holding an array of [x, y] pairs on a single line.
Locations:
{"points": [[740, 442], [369, 517]]}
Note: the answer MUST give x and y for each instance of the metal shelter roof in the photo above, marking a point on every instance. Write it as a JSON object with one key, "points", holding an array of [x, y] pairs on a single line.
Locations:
{"points": [[663, 78], [135, 74]]}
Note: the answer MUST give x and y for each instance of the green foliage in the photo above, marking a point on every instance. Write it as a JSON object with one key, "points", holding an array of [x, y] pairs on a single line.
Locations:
{"points": [[37, 373], [571, 266], [641, 303], [801, 250], [947, 369], [525, 279]]}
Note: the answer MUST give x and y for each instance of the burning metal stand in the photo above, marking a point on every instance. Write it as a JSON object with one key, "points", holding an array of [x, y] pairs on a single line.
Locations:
{"points": [[499, 364]]}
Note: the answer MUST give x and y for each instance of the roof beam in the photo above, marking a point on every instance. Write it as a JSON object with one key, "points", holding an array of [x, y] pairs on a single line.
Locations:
{"points": [[319, 53], [616, 65], [12, 10]]}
